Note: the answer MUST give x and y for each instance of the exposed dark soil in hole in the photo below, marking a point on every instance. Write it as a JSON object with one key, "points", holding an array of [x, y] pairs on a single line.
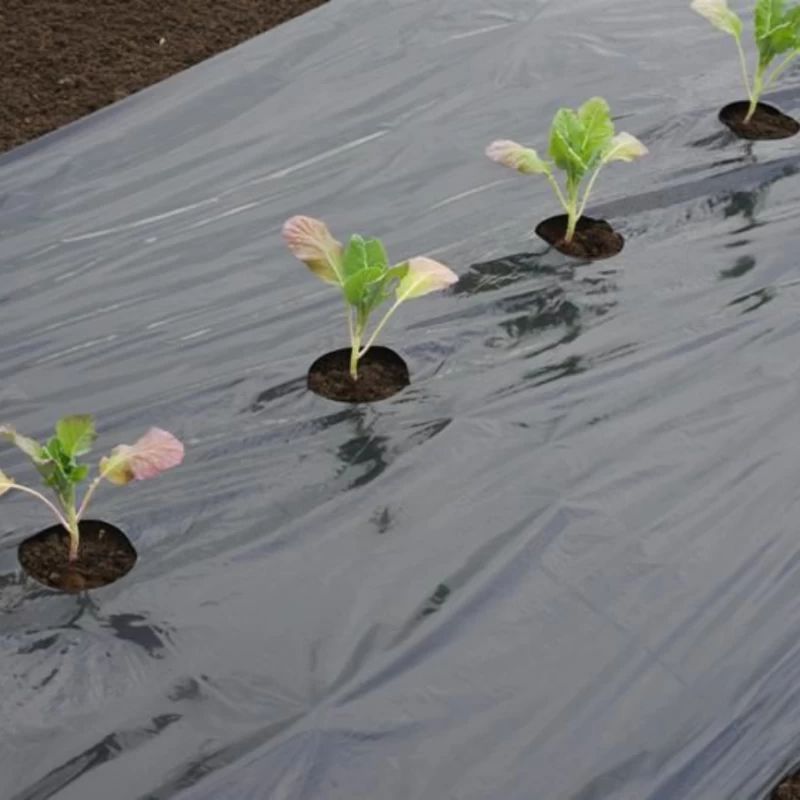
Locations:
{"points": [[787, 789], [381, 373], [766, 123], [105, 555], [594, 239], [63, 59]]}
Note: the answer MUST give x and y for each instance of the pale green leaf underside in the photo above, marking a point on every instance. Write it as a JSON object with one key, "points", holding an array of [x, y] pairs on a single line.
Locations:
{"points": [[624, 147], [30, 447], [514, 155], [323, 270], [5, 483], [415, 286], [719, 15], [424, 275], [533, 164]]}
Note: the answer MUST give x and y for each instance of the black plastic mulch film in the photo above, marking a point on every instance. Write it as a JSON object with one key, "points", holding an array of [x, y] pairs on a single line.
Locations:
{"points": [[564, 564]]}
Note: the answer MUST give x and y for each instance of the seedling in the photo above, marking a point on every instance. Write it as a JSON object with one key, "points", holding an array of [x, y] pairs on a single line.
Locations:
{"points": [[364, 274], [57, 463], [777, 31], [582, 142]]}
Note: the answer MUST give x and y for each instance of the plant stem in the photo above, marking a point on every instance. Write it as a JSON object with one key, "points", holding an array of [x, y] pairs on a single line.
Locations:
{"points": [[379, 328], [354, 345], [74, 534], [572, 209], [758, 87], [743, 62], [88, 496], [589, 188], [780, 68], [355, 338], [68, 504], [561, 199], [572, 224], [51, 506]]}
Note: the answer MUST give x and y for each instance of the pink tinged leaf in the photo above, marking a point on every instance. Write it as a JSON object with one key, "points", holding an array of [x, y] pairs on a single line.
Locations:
{"points": [[155, 452], [311, 242], [424, 275], [513, 155]]}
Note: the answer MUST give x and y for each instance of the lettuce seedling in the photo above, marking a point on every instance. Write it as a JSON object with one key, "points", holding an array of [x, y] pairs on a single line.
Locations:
{"points": [[57, 463], [365, 275], [777, 32], [582, 142]]}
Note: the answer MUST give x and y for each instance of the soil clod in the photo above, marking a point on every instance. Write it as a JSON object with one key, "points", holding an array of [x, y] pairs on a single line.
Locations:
{"points": [[594, 239], [63, 59], [766, 123], [104, 556], [381, 374], [787, 789]]}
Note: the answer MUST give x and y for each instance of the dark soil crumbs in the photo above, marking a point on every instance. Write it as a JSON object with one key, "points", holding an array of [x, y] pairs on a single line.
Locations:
{"points": [[105, 555], [766, 123], [63, 59], [381, 373], [594, 239], [788, 789]]}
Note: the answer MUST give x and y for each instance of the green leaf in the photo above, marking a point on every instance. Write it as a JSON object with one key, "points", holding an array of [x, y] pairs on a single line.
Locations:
{"points": [[792, 16], [787, 36], [397, 272], [356, 285], [376, 254], [375, 294], [47, 470], [773, 31], [355, 257], [379, 291], [76, 434], [768, 17], [719, 15], [598, 129], [55, 477], [566, 135], [53, 449], [80, 473]]}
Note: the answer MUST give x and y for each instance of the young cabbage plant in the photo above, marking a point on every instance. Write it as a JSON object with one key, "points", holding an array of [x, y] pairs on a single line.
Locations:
{"points": [[365, 275], [777, 33], [582, 142], [57, 463]]}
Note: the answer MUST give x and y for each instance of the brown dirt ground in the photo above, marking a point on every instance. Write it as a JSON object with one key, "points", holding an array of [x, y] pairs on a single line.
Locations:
{"points": [[62, 59]]}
